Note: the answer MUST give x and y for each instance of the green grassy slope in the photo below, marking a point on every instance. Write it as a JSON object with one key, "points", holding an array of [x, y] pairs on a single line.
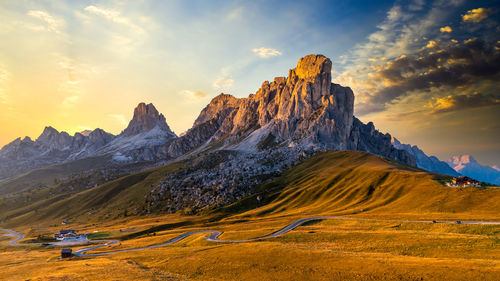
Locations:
{"points": [[352, 182]]}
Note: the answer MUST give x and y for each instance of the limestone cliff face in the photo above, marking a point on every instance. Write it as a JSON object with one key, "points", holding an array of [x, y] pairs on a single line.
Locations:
{"points": [[303, 107]]}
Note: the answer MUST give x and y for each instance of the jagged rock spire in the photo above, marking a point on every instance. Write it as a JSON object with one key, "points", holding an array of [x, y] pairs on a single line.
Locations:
{"points": [[146, 118]]}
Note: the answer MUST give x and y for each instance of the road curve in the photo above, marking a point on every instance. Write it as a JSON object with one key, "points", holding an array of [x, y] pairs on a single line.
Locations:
{"points": [[15, 234], [215, 234]]}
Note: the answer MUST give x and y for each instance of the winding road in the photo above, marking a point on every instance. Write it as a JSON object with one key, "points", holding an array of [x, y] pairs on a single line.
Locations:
{"points": [[215, 234]]}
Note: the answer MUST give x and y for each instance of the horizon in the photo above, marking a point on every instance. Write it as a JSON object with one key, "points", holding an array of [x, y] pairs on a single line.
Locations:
{"points": [[91, 64]]}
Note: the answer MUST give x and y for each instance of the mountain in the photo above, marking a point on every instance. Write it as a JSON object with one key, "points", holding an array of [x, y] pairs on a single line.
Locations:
{"points": [[468, 166], [304, 110], [429, 163], [146, 118], [49, 148], [145, 139]]}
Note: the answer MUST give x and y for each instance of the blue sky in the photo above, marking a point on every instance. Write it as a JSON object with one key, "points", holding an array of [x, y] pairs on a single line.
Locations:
{"points": [[86, 64]]}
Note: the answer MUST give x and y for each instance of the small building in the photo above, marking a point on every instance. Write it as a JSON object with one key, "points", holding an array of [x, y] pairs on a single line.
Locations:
{"points": [[65, 233], [463, 181], [66, 253]]}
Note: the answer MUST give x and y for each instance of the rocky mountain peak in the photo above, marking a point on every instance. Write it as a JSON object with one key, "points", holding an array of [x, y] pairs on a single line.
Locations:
{"points": [[311, 66], [86, 132], [47, 133], [146, 117], [217, 104], [462, 159], [305, 107]]}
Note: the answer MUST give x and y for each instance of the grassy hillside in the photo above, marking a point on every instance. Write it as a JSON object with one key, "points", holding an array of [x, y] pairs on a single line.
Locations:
{"points": [[354, 182], [331, 183], [351, 183], [106, 201], [48, 175]]}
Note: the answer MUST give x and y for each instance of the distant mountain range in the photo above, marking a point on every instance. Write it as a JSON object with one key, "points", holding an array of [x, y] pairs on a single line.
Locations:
{"points": [[429, 163], [291, 117], [468, 166], [145, 138]]}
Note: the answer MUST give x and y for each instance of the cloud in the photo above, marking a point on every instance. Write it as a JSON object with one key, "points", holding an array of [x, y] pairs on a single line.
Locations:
{"points": [[476, 15], [266, 52], [446, 29], [458, 102], [222, 83], [235, 14], [431, 44], [452, 67], [70, 101], [53, 24], [194, 95], [4, 76], [120, 118], [114, 16]]}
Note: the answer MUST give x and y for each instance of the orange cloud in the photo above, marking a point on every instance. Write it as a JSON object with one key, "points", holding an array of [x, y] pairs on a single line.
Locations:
{"points": [[476, 15], [457, 102], [446, 29]]}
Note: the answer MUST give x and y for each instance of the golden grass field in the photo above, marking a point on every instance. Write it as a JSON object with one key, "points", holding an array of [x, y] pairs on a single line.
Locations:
{"points": [[352, 184]]}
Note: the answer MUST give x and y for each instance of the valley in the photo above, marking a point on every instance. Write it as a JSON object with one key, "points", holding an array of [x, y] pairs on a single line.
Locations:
{"points": [[365, 210], [286, 184]]}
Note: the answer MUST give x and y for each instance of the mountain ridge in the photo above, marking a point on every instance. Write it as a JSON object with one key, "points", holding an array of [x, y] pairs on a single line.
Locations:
{"points": [[429, 163], [466, 165], [304, 111]]}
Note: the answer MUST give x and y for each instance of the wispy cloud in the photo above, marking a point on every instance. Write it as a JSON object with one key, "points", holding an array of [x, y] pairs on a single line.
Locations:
{"points": [[70, 101], [120, 118], [235, 14], [4, 75], [52, 23], [114, 16], [223, 83], [194, 95], [266, 52]]}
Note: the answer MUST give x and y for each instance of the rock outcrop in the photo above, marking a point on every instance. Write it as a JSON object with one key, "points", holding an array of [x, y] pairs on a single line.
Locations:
{"points": [[305, 109], [145, 119]]}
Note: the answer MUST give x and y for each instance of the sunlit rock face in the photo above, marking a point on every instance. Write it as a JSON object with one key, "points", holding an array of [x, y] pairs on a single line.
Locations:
{"points": [[146, 118], [305, 108]]}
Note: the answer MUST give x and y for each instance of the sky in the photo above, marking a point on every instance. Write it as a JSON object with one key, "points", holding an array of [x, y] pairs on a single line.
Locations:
{"points": [[426, 71]]}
